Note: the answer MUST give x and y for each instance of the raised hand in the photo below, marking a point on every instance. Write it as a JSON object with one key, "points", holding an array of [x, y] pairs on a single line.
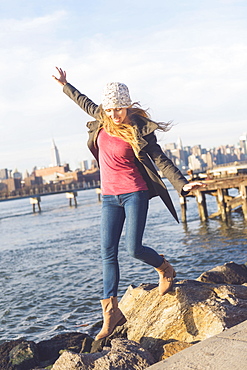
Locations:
{"points": [[62, 77]]}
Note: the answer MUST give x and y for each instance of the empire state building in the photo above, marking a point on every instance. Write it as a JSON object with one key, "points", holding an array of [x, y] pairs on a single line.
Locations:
{"points": [[55, 159]]}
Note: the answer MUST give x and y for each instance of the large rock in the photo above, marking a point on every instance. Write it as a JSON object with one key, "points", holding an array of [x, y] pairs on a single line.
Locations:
{"points": [[25, 355], [18, 355], [193, 311], [229, 273], [123, 355], [49, 349]]}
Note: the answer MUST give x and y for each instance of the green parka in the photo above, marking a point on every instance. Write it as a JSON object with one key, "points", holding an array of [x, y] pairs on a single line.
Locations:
{"points": [[150, 150]]}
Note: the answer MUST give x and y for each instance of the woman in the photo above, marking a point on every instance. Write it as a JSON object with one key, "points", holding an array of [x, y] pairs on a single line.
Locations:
{"points": [[123, 142]]}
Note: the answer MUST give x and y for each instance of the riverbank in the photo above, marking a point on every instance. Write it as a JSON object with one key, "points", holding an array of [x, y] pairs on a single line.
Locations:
{"points": [[192, 312]]}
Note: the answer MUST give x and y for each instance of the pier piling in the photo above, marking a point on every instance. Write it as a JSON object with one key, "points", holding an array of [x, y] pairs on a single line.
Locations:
{"points": [[202, 206], [243, 193], [34, 201], [183, 204], [221, 204], [72, 195], [98, 192]]}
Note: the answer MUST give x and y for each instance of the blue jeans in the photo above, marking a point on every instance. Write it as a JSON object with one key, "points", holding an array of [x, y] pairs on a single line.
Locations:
{"points": [[130, 208]]}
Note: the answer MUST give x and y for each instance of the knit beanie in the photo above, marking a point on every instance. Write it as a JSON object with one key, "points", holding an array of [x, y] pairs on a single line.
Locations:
{"points": [[116, 95]]}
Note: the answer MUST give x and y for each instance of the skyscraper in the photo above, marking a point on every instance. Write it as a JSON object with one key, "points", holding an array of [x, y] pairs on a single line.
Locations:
{"points": [[55, 159], [243, 143]]}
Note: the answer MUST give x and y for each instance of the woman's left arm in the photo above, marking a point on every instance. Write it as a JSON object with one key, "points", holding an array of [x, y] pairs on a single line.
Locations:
{"points": [[167, 167]]}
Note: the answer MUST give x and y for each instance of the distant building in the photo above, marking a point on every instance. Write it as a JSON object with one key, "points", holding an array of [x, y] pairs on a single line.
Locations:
{"points": [[12, 184], [207, 158], [196, 163], [55, 158], [3, 187], [84, 165], [16, 174], [52, 174], [170, 146], [33, 180], [26, 174], [4, 174], [196, 150], [179, 144], [94, 164], [243, 143]]}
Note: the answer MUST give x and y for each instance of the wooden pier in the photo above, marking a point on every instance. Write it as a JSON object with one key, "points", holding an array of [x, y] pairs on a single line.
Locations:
{"points": [[36, 192], [219, 188]]}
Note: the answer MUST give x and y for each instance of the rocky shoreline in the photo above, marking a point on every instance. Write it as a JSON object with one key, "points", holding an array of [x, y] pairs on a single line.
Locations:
{"points": [[157, 327]]}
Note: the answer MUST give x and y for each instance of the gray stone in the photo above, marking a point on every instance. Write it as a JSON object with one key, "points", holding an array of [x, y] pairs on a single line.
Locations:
{"points": [[229, 273], [123, 355], [23, 356], [76, 342], [18, 355]]}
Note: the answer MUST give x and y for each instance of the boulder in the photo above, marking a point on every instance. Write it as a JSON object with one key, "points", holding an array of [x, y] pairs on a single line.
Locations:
{"points": [[18, 355], [76, 342], [123, 355], [26, 355], [191, 312], [229, 273]]}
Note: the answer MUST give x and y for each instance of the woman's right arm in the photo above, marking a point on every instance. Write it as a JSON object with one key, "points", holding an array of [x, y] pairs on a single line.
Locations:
{"points": [[82, 100]]}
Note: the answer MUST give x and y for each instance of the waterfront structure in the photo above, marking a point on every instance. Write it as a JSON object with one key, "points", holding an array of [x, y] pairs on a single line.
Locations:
{"points": [[218, 184]]}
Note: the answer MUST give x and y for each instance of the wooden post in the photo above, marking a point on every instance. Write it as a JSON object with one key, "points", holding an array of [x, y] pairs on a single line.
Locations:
{"points": [[221, 204], [201, 203], [98, 191], [35, 200], [243, 192], [72, 195], [183, 204], [227, 203]]}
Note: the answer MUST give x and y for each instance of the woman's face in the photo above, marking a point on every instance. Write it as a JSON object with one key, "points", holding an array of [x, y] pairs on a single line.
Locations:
{"points": [[118, 115]]}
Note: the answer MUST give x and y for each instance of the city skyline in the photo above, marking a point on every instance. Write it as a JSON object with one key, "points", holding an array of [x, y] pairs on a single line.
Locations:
{"points": [[185, 60], [82, 162]]}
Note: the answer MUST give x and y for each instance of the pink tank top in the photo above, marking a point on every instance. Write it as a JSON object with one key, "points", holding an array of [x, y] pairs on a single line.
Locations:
{"points": [[118, 171]]}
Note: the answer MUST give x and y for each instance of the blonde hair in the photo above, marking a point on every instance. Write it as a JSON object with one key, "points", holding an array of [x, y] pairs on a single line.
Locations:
{"points": [[127, 131]]}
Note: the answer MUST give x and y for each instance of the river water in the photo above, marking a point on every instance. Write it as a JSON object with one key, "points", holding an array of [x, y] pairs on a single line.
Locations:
{"points": [[50, 267]]}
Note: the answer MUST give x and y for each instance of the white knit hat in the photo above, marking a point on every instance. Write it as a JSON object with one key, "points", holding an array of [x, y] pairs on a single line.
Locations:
{"points": [[116, 95]]}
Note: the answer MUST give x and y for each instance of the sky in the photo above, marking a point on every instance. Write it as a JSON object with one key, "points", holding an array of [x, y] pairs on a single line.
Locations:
{"points": [[185, 60]]}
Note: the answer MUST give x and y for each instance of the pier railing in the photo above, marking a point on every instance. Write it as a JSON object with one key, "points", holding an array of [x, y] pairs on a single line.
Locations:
{"points": [[47, 189]]}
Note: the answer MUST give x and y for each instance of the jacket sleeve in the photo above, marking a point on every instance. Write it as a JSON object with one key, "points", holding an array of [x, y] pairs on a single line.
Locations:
{"points": [[82, 100], [164, 164]]}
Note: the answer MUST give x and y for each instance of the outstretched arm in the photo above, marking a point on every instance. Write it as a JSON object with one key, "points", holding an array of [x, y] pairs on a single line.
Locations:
{"points": [[82, 100], [62, 77]]}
